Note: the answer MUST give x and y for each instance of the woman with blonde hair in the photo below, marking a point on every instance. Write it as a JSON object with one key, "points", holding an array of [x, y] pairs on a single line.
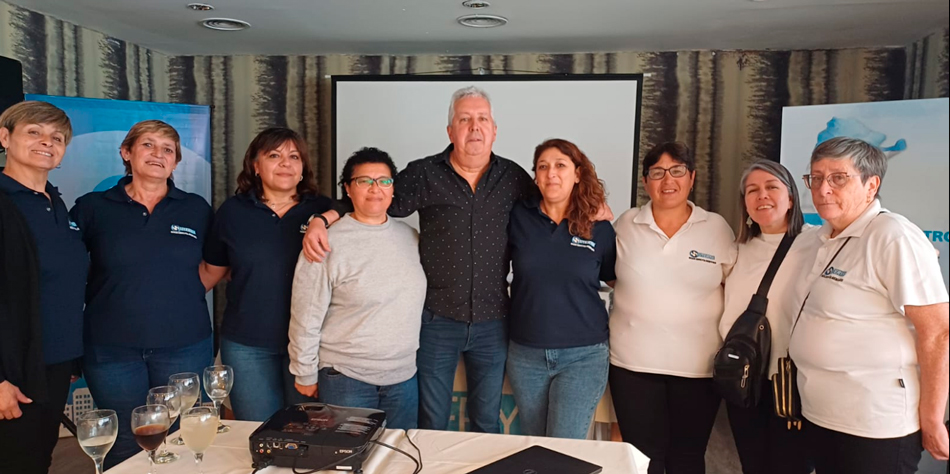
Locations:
{"points": [[146, 313]]}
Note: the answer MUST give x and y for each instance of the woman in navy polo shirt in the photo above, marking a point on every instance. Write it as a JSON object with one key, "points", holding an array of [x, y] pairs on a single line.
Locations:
{"points": [[258, 234], [146, 314], [558, 356], [43, 266]]}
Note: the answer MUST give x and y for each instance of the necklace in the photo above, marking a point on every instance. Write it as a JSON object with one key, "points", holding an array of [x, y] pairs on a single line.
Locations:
{"points": [[276, 206]]}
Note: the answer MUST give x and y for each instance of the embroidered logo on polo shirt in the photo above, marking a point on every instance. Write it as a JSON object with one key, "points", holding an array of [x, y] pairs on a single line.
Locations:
{"points": [[835, 274], [584, 244], [73, 226], [181, 230], [701, 257]]}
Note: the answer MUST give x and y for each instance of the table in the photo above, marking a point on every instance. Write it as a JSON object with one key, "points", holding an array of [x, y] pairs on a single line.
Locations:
{"points": [[443, 452]]}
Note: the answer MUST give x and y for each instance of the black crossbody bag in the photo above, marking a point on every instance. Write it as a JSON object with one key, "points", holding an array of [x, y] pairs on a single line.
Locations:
{"points": [[741, 366], [788, 403]]}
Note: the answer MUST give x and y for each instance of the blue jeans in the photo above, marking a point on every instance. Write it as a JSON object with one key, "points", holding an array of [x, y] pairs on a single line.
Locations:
{"points": [[400, 401], [557, 390], [263, 383], [485, 348], [119, 379]]}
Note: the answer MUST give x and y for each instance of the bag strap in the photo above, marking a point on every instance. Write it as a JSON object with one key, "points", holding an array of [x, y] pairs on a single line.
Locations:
{"points": [[809, 290], [774, 265]]}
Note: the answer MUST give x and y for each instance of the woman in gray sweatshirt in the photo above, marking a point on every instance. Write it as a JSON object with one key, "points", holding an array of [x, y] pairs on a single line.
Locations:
{"points": [[355, 317]]}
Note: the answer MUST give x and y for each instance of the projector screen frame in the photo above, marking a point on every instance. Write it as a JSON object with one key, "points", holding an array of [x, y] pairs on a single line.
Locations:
{"points": [[474, 79]]}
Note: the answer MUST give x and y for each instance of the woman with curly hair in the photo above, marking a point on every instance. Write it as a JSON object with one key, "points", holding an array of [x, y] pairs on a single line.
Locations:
{"points": [[558, 356]]}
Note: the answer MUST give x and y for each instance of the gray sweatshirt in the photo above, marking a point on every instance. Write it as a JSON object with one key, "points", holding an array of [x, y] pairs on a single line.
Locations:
{"points": [[360, 311]]}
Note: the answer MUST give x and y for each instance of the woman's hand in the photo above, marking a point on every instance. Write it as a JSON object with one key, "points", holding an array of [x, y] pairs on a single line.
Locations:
{"points": [[307, 390], [10, 399]]}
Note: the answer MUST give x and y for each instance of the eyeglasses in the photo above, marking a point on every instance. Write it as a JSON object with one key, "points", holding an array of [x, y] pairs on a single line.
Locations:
{"points": [[677, 171], [366, 182], [835, 180]]}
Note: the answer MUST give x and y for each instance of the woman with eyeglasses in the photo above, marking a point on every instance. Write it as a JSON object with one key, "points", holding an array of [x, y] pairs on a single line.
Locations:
{"points": [[672, 257], [871, 338], [257, 235], [355, 323]]}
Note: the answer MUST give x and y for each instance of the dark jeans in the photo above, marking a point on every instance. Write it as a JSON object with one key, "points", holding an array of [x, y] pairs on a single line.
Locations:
{"points": [[667, 418], [400, 401], [763, 440], [839, 453], [485, 348], [263, 383], [26, 443], [119, 379]]}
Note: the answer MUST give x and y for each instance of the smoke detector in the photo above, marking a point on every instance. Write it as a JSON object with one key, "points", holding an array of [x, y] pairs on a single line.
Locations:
{"points": [[225, 24], [482, 21]]}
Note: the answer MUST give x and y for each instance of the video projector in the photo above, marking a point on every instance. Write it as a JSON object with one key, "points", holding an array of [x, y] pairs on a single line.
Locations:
{"points": [[317, 435]]}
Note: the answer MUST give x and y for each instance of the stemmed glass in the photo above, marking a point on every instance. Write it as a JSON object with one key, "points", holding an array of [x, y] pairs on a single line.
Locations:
{"points": [[218, 380], [96, 431], [150, 425], [190, 386], [199, 426], [170, 397]]}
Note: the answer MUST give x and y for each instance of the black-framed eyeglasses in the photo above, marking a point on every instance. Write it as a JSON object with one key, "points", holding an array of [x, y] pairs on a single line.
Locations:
{"points": [[835, 180], [366, 182], [677, 171]]}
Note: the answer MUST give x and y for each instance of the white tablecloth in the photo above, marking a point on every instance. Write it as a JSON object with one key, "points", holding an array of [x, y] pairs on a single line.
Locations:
{"points": [[443, 452]]}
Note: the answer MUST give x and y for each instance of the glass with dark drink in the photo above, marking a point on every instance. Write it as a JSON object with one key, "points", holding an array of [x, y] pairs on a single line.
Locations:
{"points": [[150, 425]]}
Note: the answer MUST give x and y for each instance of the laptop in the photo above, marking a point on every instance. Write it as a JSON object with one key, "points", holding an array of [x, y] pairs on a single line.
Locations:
{"points": [[539, 460]]}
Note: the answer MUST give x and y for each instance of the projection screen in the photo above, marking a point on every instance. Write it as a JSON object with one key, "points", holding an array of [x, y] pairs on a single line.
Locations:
{"points": [[407, 115]]}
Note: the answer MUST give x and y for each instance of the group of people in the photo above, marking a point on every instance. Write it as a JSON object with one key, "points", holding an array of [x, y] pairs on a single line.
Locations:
{"points": [[338, 302]]}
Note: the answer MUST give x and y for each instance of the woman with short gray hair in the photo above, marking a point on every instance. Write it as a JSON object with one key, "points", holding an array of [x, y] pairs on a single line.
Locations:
{"points": [[870, 328]]}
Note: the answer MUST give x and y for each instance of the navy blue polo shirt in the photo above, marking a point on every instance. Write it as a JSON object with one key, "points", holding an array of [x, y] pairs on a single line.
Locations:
{"points": [[261, 250], [144, 291], [554, 299], [63, 266]]}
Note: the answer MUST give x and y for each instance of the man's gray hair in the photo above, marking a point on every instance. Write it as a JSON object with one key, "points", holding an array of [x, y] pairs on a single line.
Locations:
{"points": [[470, 91], [868, 159]]}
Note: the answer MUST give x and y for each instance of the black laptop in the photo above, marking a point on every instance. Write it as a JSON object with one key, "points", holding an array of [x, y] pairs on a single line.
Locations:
{"points": [[539, 460]]}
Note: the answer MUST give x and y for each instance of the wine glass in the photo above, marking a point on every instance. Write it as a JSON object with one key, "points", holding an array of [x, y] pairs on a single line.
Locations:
{"points": [[170, 397], [190, 385], [199, 426], [96, 431], [218, 380], [150, 424]]}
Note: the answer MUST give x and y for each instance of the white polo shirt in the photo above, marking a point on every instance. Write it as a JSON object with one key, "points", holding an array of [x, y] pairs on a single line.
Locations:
{"points": [[752, 262], [668, 296], [855, 350]]}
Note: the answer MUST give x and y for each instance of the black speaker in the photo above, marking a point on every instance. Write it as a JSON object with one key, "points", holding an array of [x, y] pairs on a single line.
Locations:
{"points": [[11, 83]]}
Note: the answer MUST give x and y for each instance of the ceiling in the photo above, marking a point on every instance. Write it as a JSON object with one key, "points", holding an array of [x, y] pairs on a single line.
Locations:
{"points": [[292, 27]]}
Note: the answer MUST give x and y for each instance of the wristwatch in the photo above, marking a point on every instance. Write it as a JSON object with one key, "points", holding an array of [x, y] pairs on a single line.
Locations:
{"points": [[326, 223]]}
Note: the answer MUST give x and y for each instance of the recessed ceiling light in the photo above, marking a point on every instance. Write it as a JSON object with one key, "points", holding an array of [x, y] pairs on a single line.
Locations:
{"points": [[200, 7], [225, 24], [482, 21], [477, 4]]}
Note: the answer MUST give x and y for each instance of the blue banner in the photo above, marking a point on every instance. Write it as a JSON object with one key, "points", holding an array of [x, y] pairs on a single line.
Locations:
{"points": [[92, 161]]}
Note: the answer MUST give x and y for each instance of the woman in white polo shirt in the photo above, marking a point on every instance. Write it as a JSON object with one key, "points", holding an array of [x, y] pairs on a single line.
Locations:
{"points": [[771, 210], [672, 257], [870, 340]]}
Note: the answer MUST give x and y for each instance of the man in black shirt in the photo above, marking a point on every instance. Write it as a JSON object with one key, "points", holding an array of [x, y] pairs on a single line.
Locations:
{"points": [[463, 195]]}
